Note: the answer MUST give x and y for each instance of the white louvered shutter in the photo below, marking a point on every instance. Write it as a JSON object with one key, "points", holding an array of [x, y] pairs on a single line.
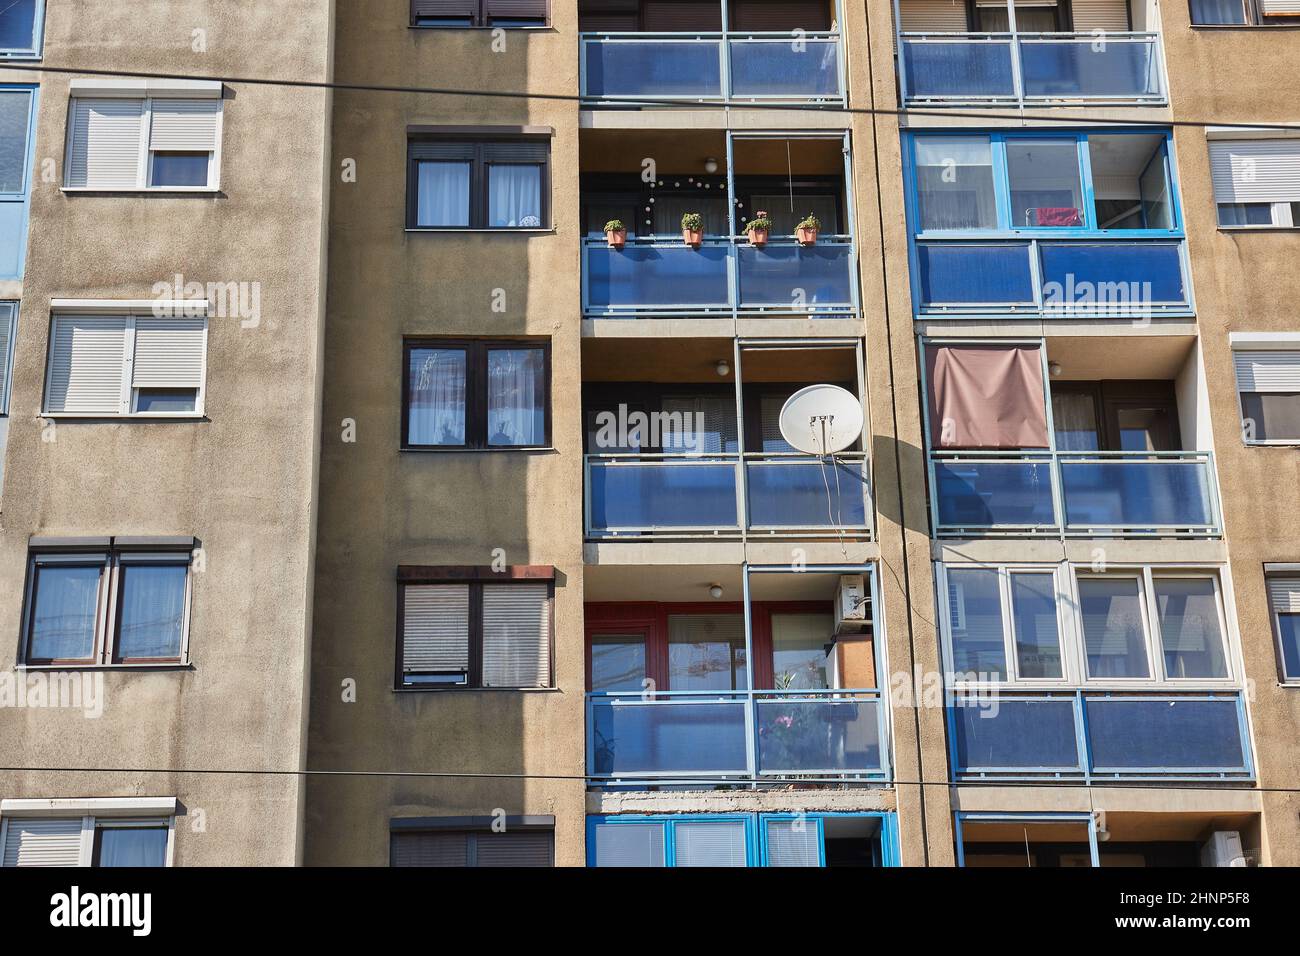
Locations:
{"points": [[42, 842], [7, 310], [1261, 371], [1110, 16], [104, 143], [1279, 8], [169, 353], [710, 843], [788, 846], [435, 628], [187, 126], [86, 358], [1256, 170], [630, 844], [1284, 594], [516, 635]]}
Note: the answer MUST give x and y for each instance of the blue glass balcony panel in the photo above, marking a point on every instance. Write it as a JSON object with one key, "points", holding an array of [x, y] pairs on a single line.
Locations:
{"points": [[790, 493], [664, 737], [979, 494], [974, 274], [1118, 276], [959, 69], [807, 735], [1104, 67], [791, 276], [1137, 494], [1009, 734], [653, 68], [656, 276], [632, 495], [785, 69], [1165, 734]]}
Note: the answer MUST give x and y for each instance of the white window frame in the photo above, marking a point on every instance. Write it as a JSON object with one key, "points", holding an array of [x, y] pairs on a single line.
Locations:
{"points": [[147, 92], [130, 311], [1280, 211], [106, 619], [104, 813], [1074, 658]]}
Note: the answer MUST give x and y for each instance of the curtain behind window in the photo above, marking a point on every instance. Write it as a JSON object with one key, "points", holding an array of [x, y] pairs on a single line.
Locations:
{"points": [[1218, 11], [153, 610], [437, 397], [514, 197], [63, 623], [668, 212], [1074, 421], [132, 846], [516, 386], [443, 194]]}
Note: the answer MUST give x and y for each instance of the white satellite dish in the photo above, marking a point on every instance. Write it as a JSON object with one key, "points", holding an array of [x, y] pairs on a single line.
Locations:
{"points": [[821, 420]]}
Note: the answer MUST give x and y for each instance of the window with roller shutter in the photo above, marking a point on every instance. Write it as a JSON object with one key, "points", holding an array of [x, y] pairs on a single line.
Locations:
{"points": [[1268, 384], [126, 365], [487, 630], [8, 327], [1256, 182], [514, 847], [452, 14], [1284, 608], [86, 841], [128, 142]]}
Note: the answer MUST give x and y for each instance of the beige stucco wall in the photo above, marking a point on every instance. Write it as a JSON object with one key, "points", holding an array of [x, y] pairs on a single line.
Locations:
{"points": [[241, 480], [381, 507]]}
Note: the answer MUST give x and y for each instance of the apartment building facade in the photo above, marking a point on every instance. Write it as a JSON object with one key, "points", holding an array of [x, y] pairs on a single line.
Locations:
{"points": [[532, 564]]}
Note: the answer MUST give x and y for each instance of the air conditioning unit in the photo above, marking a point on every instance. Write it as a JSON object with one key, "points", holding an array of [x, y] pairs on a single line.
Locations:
{"points": [[851, 604], [1223, 848]]}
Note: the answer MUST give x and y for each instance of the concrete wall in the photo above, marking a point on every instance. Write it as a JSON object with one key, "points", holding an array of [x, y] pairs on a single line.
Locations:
{"points": [[241, 480], [381, 507]]}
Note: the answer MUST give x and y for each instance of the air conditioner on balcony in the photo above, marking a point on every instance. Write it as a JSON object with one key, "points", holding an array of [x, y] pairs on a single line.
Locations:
{"points": [[1223, 848], [850, 604]]}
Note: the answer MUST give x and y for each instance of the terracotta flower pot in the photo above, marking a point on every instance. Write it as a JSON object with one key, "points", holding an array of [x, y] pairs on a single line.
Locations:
{"points": [[616, 238], [807, 236], [758, 237], [693, 237]]}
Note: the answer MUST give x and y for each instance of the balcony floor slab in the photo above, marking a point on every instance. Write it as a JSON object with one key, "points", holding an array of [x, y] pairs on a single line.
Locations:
{"points": [[706, 327], [1205, 798], [843, 799], [1118, 551]]}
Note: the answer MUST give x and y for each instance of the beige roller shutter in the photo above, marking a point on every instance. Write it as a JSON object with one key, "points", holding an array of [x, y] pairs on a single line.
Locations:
{"points": [[435, 628], [516, 635], [104, 143]]}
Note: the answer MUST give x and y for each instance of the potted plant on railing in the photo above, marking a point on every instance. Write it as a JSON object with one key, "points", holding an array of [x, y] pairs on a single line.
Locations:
{"points": [[759, 228], [615, 233], [807, 230], [693, 229]]}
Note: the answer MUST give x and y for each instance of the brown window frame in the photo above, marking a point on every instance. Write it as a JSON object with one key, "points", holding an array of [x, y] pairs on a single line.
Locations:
{"points": [[473, 578], [480, 19], [478, 150], [476, 394]]}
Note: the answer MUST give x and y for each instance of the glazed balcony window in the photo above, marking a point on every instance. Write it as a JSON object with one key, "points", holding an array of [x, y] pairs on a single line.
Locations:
{"points": [[1046, 224], [1263, 13], [21, 28], [1038, 52], [742, 51]]}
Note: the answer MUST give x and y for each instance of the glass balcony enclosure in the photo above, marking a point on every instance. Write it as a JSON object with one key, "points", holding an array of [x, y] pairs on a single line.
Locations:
{"points": [[1043, 52], [701, 458], [1015, 451], [1046, 224], [648, 182], [770, 690], [652, 52]]}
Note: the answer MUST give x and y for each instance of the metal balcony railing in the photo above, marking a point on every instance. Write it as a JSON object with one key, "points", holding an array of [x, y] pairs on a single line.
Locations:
{"points": [[1099, 735], [1031, 68], [712, 495], [736, 736], [778, 68], [1093, 494], [664, 277]]}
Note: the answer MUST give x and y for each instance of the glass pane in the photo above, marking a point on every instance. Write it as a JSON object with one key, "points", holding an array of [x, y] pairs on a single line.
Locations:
{"points": [[630, 844], [706, 652], [180, 169], [1045, 188], [955, 183], [442, 194], [793, 843], [1033, 613], [515, 197], [617, 662], [799, 650], [132, 846], [1074, 421], [1189, 627], [1288, 627], [1129, 181], [166, 399], [1113, 633], [1272, 417], [1245, 214], [1157, 209], [63, 621], [516, 397], [436, 402], [1218, 11], [17, 24], [14, 108], [710, 843], [655, 68], [975, 619], [668, 736], [152, 613], [1145, 429]]}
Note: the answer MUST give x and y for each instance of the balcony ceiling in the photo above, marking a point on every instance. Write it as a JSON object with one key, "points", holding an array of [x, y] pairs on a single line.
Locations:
{"points": [[696, 360], [1091, 358]]}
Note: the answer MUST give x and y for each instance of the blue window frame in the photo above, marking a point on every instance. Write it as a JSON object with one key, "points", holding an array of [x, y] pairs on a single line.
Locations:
{"points": [[1031, 221], [737, 839], [17, 143], [22, 23]]}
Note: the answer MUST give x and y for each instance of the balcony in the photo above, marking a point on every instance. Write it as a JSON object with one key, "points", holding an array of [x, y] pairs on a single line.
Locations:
{"points": [[1091, 494], [735, 736], [1034, 69], [677, 495], [768, 68], [1097, 736]]}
